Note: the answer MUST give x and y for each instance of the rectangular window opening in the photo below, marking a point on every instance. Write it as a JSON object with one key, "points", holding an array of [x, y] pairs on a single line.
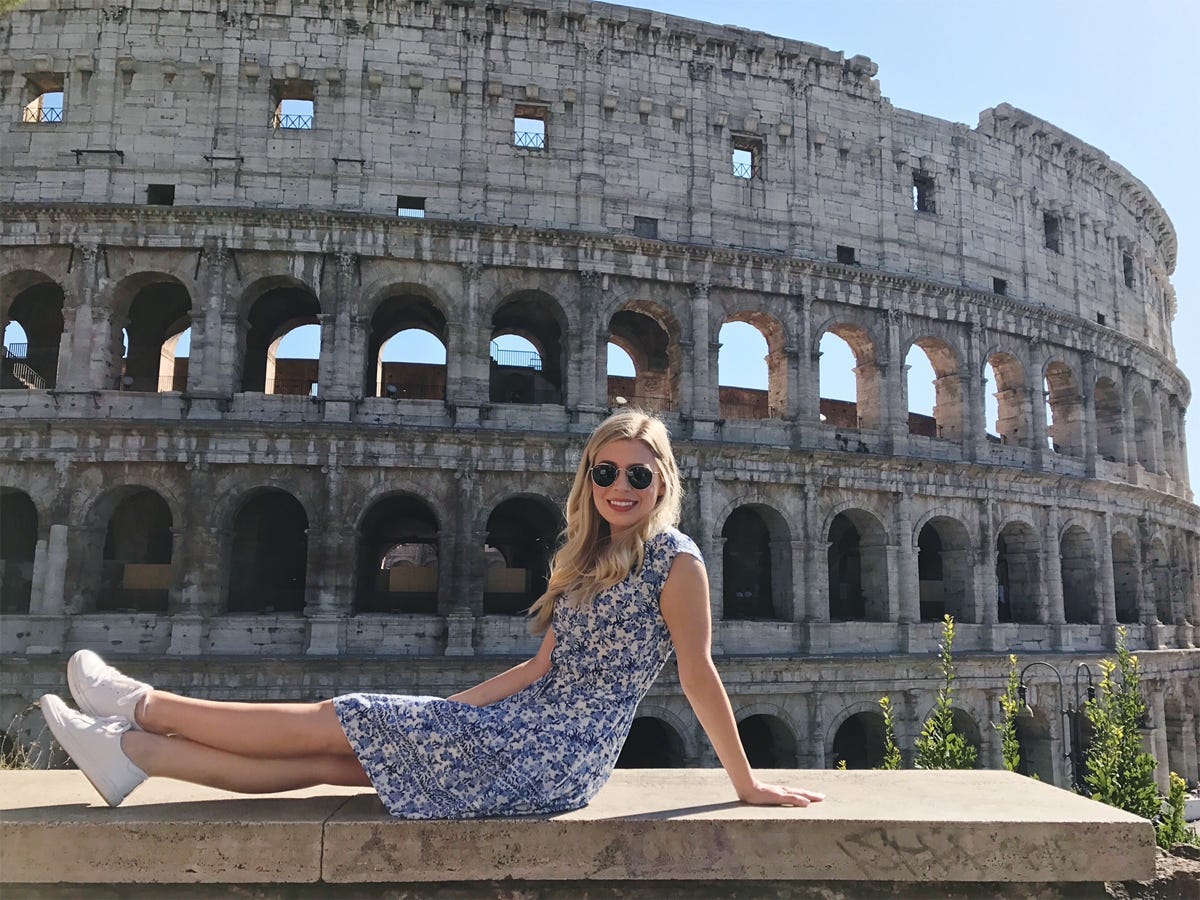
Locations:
{"points": [[160, 194], [1127, 269], [43, 102], [846, 256], [922, 192], [410, 207], [645, 227], [1101, 319], [999, 286], [294, 104], [747, 157], [1052, 227], [529, 127]]}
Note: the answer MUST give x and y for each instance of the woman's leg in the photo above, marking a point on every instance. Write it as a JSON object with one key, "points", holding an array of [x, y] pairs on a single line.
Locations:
{"points": [[185, 760], [272, 731]]}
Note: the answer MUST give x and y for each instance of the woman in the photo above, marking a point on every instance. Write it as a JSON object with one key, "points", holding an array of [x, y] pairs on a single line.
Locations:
{"points": [[626, 588]]}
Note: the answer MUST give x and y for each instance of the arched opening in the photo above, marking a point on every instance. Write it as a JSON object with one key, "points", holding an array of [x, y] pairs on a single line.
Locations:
{"points": [[1035, 746], [1143, 429], [159, 313], [18, 545], [769, 742], [30, 358], [752, 368], [283, 343], [755, 572], [1125, 577], [935, 390], [398, 557], [642, 334], [1064, 410], [1110, 421], [846, 403], [1007, 403], [136, 572], [1160, 581], [857, 568], [859, 741], [945, 571], [651, 744], [522, 533], [1017, 552], [1080, 603], [406, 350], [269, 560], [533, 374]]}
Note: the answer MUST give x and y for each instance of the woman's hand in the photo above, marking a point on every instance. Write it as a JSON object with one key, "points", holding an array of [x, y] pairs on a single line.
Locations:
{"points": [[761, 794]]}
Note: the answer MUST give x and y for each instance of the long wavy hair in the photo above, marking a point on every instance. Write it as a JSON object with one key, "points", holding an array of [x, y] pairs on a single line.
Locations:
{"points": [[590, 559]]}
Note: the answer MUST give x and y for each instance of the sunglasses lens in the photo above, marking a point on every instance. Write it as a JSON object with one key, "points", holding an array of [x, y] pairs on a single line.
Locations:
{"points": [[639, 477], [604, 475]]}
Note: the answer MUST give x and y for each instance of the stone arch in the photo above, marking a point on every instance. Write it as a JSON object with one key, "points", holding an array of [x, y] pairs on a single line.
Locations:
{"points": [[1126, 578], [856, 735], [1014, 417], [1078, 563], [650, 335], [35, 302], [136, 560], [520, 539], [18, 546], [945, 569], [539, 318], [154, 308], [1036, 745], [1065, 402], [755, 403], [769, 741], [1110, 420], [868, 407], [268, 552], [397, 308], [1158, 565], [398, 567], [652, 743], [756, 560], [964, 722], [949, 410], [1018, 572], [857, 560], [274, 307], [1143, 430]]}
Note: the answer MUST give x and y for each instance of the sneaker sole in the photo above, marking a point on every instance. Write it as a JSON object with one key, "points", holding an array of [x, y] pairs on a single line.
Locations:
{"points": [[66, 740]]}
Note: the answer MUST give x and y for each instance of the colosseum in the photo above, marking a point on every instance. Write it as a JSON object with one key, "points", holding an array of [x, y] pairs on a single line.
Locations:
{"points": [[184, 185]]}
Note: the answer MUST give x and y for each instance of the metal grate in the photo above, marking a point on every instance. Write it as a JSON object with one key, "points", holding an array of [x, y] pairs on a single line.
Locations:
{"points": [[43, 114], [279, 120], [523, 359], [17, 351], [533, 140]]}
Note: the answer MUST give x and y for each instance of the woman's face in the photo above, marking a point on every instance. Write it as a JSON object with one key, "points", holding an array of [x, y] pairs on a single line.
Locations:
{"points": [[621, 504]]}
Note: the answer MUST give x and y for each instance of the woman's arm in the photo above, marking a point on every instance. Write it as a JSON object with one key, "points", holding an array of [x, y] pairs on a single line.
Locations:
{"points": [[515, 679], [685, 608]]}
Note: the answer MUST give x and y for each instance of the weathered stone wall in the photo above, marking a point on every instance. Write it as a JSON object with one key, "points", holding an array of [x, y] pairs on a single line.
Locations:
{"points": [[231, 527]]}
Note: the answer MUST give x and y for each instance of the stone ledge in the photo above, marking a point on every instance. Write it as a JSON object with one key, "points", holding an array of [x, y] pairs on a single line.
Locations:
{"points": [[651, 825]]}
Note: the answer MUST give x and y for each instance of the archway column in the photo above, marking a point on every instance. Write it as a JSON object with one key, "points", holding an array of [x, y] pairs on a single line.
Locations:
{"points": [[37, 588], [1157, 739], [586, 362], [1156, 428], [467, 357], [904, 605], [209, 360], [1106, 582], [199, 563], [1147, 611], [51, 600], [340, 381], [1129, 423], [987, 587], [1087, 387], [975, 424], [893, 379], [85, 337], [460, 559], [803, 402], [816, 719], [703, 401], [1055, 614], [1037, 403]]}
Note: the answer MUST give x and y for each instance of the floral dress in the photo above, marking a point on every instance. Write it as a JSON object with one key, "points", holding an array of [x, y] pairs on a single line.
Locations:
{"points": [[547, 748]]}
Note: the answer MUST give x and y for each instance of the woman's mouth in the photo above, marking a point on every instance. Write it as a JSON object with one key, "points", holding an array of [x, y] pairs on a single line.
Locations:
{"points": [[622, 505]]}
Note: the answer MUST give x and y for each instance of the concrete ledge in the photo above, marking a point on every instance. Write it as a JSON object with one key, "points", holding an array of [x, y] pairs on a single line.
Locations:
{"points": [[652, 825]]}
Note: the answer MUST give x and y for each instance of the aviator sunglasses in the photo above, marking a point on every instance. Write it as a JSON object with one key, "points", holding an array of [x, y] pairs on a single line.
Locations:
{"points": [[605, 475]]}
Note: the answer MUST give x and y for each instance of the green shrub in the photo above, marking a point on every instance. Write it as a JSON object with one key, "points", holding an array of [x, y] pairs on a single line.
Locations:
{"points": [[891, 753], [939, 746], [1171, 828], [1010, 705]]}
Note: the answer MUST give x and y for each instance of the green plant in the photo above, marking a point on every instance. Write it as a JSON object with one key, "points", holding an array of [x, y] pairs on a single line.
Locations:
{"points": [[1119, 772], [20, 750], [939, 746], [9, 5], [1010, 705], [891, 753], [1171, 828]]}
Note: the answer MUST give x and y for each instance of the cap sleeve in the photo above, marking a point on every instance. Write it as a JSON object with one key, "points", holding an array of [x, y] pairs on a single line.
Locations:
{"points": [[661, 551]]}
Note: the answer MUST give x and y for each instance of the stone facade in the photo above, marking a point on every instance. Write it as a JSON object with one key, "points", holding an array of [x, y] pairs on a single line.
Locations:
{"points": [[242, 524]]}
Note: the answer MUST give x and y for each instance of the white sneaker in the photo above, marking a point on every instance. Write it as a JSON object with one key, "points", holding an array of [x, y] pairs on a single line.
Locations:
{"points": [[100, 690], [95, 746]]}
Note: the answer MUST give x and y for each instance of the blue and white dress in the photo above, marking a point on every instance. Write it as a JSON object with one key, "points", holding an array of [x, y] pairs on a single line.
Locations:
{"points": [[546, 749]]}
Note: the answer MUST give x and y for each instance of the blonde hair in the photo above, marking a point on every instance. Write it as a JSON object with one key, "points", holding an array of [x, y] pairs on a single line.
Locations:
{"points": [[590, 559]]}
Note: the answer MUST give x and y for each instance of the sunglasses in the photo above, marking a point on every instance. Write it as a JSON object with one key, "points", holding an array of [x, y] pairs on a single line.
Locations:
{"points": [[605, 475]]}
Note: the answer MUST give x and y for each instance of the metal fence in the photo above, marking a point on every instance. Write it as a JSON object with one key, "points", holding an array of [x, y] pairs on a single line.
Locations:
{"points": [[279, 120], [17, 351], [523, 359], [43, 114], [533, 140]]}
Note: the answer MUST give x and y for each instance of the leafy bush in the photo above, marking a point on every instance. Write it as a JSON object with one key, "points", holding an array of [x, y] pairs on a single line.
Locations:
{"points": [[1010, 705], [1171, 827], [891, 753], [939, 746]]}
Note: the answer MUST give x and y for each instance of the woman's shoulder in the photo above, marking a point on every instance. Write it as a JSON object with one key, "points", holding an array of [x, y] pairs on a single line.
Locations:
{"points": [[669, 543]]}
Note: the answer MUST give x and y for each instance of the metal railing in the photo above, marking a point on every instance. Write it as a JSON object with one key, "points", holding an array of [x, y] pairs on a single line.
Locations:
{"points": [[28, 377], [533, 140], [280, 120], [17, 351], [42, 114], [523, 359], [746, 170]]}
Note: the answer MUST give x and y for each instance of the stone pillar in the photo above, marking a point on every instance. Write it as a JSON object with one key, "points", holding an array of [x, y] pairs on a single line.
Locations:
{"points": [[1156, 427], [797, 551], [1129, 423], [905, 603], [1188, 766], [1181, 456], [1037, 403], [473, 107], [84, 348], [1052, 571], [342, 366], [975, 427], [1147, 609], [703, 406], [1087, 388], [332, 564], [816, 567], [462, 578], [37, 588], [805, 385], [816, 707], [1158, 737], [589, 394], [893, 379], [209, 370], [52, 601], [1106, 583], [467, 388], [699, 170]]}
